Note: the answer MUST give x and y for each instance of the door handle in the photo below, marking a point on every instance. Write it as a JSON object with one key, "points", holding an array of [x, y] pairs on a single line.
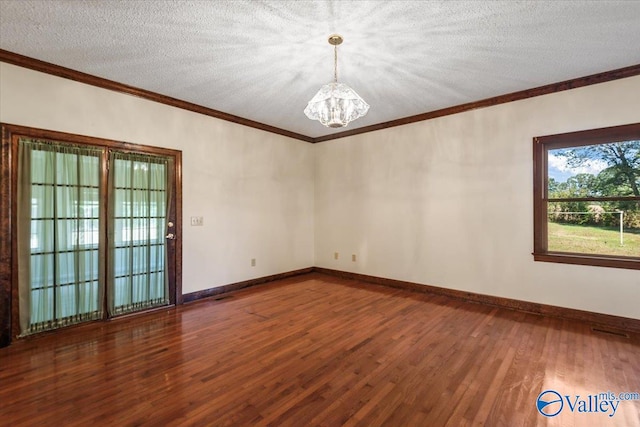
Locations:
{"points": [[171, 236]]}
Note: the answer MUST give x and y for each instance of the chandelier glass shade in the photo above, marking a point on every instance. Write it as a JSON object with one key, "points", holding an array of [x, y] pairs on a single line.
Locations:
{"points": [[336, 104]]}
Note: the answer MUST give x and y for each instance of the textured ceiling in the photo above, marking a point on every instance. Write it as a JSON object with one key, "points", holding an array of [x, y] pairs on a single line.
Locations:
{"points": [[264, 60]]}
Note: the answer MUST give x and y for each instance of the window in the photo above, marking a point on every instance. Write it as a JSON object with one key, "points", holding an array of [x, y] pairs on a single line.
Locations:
{"points": [[587, 197]]}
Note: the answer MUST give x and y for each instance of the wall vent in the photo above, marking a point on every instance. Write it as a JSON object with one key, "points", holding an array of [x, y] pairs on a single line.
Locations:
{"points": [[600, 330]]}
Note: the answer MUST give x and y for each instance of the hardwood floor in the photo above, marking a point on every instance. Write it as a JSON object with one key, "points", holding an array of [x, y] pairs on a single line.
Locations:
{"points": [[318, 350]]}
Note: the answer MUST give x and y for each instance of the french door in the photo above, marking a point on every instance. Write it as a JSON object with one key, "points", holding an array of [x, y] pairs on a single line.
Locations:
{"points": [[96, 231], [139, 195]]}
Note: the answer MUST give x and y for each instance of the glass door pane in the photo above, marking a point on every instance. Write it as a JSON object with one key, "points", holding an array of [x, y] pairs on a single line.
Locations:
{"points": [[60, 201], [138, 210]]}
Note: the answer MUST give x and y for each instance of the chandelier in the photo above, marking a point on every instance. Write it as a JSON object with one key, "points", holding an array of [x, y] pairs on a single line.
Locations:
{"points": [[336, 104]]}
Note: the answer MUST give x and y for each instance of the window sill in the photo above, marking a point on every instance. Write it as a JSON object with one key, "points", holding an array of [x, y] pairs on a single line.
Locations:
{"points": [[592, 260]]}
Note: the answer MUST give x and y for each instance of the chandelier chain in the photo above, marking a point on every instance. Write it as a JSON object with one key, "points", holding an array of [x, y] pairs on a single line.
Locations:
{"points": [[335, 63]]}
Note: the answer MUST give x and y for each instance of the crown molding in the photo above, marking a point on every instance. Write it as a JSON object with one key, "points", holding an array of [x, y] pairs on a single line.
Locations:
{"points": [[603, 77], [57, 70], [67, 73]]}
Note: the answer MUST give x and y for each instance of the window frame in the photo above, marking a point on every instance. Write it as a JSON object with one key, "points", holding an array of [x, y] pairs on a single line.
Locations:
{"points": [[541, 147]]}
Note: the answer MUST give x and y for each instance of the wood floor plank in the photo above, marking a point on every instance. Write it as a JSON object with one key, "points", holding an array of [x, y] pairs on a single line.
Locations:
{"points": [[317, 350]]}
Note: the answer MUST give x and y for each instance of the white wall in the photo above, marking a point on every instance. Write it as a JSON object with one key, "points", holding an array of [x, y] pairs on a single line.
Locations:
{"points": [[445, 202], [253, 188], [449, 202]]}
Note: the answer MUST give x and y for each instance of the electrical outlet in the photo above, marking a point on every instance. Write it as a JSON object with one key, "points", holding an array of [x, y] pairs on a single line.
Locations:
{"points": [[197, 221], [353, 257], [253, 262], [336, 255]]}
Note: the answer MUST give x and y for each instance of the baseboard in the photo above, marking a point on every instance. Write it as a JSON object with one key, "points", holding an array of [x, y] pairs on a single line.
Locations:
{"points": [[603, 321], [205, 293], [606, 321]]}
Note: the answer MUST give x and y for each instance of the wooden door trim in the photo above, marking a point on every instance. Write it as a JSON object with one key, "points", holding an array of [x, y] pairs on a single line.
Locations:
{"points": [[6, 226], [9, 327]]}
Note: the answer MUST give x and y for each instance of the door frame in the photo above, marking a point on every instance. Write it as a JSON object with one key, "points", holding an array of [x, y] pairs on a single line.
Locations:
{"points": [[9, 316]]}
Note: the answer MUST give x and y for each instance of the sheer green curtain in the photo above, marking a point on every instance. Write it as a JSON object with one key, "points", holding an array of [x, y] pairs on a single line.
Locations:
{"points": [[138, 202], [61, 272]]}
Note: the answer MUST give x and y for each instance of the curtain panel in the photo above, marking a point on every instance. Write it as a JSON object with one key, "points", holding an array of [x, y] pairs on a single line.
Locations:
{"points": [[61, 273], [138, 207]]}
